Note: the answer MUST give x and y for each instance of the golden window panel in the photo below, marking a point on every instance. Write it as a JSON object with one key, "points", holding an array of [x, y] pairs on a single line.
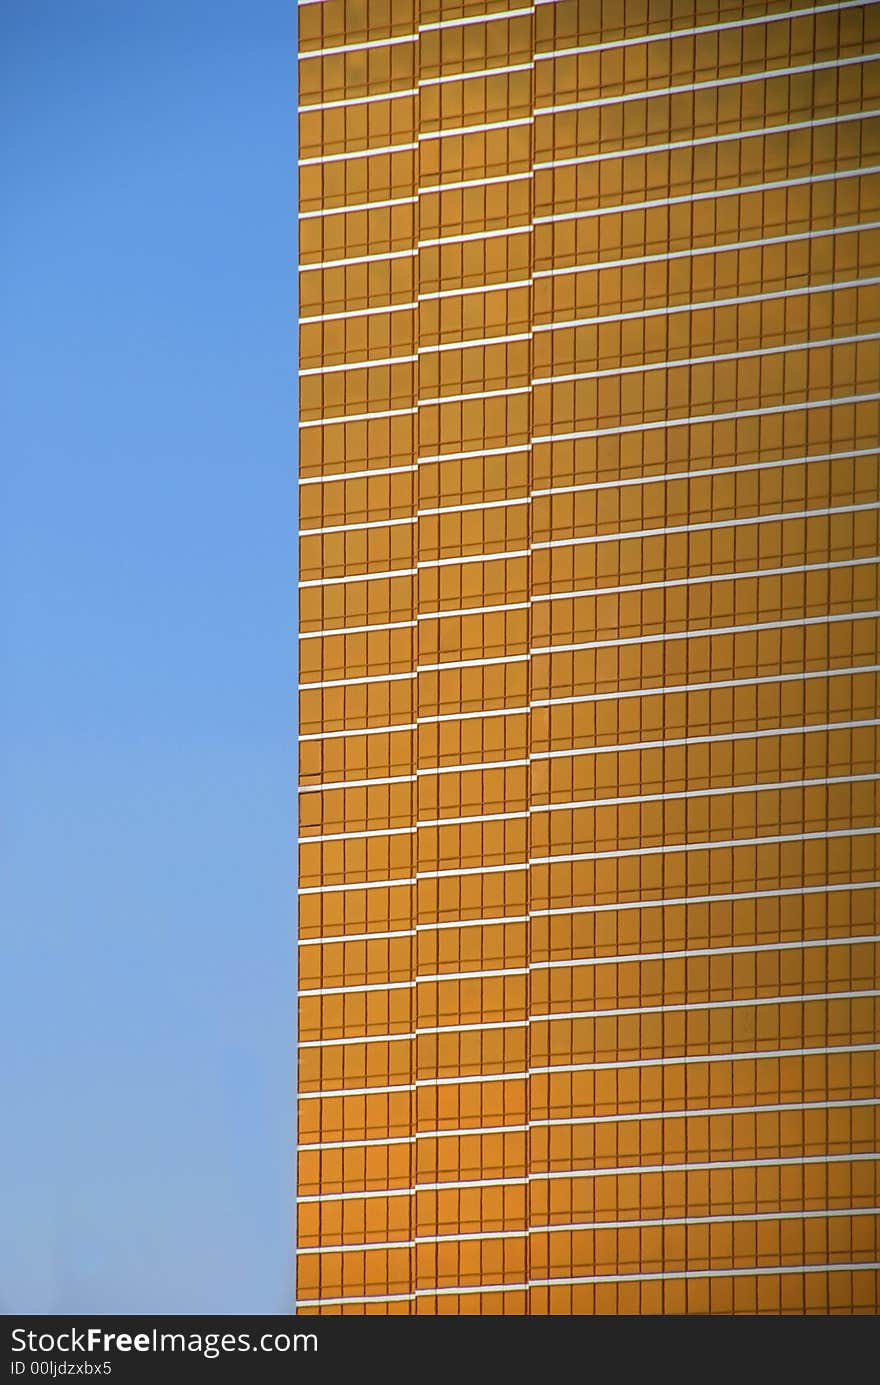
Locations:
{"points": [[590, 431]]}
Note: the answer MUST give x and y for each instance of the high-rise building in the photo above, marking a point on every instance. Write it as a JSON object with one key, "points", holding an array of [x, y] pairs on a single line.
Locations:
{"points": [[590, 427]]}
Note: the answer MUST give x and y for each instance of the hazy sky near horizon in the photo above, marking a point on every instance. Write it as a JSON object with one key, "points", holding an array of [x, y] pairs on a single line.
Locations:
{"points": [[147, 661]]}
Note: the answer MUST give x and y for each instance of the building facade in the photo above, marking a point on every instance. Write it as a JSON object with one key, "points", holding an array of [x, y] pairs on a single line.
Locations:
{"points": [[590, 419]]}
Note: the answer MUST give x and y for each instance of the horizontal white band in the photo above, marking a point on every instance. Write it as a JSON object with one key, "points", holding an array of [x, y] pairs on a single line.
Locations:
{"points": [[666, 637], [357, 154], [331, 630], [387, 574], [385, 308], [484, 127], [673, 583], [458, 186], [330, 477], [701, 420], [715, 248], [393, 883], [731, 950], [677, 847], [567, 1228], [356, 418], [426, 721], [460, 561], [634, 1170], [692, 252], [777, 517], [440, 399], [409, 932], [634, 853], [625, 534], [583, 805], [469, 19], [366, 100], [379, 257], [806, 729], [625, 152], [639, 39], [478, 73], [418, 1033], [619, 695], [673, 795], [467, 343], [757, 353], [500, 287], [683, 902], [391, 42], [664, 690], [378, 782], [708, 304], [412, 38], [671, 636], [643, 94], [767, 74], [512, 450], [367, 364], [465, 237], [701, 473], [579, 594], [413, 982], [710, 195], [699, 1112], [631, 1011], [742, 1271], [627, 1012], [545, 380], [616, 1065], [461, 1290], [731, 136], [368, 678], [670, 35]]}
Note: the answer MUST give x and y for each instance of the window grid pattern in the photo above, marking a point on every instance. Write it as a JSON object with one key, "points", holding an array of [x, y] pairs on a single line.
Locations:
{"points": [[589, 929]]}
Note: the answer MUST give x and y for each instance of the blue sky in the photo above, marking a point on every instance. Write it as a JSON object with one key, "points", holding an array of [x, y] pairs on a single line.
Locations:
{"points": [[147, 609]]}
